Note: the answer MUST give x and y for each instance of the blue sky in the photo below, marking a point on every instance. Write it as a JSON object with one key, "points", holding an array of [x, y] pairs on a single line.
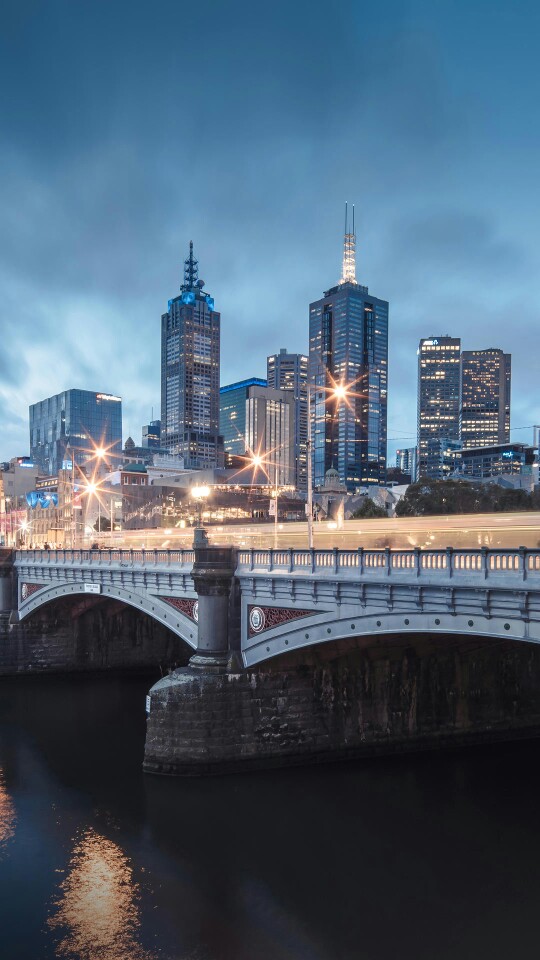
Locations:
{"points": [[132, 128]]}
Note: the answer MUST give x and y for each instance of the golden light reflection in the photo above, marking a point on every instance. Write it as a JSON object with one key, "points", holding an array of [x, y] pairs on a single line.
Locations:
{"points": [[7, 815], [98, 910]]}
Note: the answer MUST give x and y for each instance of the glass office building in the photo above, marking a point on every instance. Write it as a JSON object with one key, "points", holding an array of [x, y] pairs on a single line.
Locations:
{"points": [[232, 414], [438, 402], [288, 371], [190, 355], [485, 397], [348, 343], [78, 421]]}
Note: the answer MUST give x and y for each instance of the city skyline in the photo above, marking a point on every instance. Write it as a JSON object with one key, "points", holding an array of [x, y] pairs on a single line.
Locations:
{"points": [[97, 219]]}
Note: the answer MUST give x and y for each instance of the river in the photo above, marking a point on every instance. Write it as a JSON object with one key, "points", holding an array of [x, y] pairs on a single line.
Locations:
{"points": [[431, 857]]}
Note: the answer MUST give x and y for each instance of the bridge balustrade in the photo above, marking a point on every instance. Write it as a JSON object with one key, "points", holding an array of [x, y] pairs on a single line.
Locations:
{"points": [[450, 561], [106, 557]]}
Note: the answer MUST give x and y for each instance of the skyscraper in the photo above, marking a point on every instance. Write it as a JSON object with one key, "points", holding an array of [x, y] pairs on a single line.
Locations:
{"points": [[348, 344], [190, 351], [232, 414], [438, 402], [288, 371], [485, 397], [259, 419], [80, 420]]}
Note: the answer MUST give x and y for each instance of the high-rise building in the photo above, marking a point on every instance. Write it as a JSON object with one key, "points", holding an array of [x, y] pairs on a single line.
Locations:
{"points": [[348, 344], [190, 351], [232, 414], [485, 397], [288, 371], [151, 434], [406, 461], [270, 431], [75, 421], [259, 420], [438, 402]]}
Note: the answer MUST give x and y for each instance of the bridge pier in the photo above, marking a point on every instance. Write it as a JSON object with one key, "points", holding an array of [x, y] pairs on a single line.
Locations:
{"points": [[208, 671]]}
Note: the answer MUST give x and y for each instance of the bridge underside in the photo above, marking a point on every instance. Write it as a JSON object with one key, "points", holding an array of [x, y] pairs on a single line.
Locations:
{"points": [[315, 629], [163, 611]]}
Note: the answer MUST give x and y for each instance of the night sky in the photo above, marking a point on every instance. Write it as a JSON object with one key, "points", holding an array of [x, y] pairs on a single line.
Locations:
{"points": [[128, 129]]}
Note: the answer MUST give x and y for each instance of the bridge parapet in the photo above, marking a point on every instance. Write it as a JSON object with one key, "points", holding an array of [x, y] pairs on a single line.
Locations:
{"points": [[104, 557], [481, 563]]}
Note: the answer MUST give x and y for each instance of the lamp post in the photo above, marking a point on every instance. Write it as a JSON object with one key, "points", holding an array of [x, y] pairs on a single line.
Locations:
{"points": [[199, 493], [339, 391]]}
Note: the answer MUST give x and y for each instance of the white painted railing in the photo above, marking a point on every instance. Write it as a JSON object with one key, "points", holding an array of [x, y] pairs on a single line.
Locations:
{"points": [[481, 563], [405, 564], [107, 558]]}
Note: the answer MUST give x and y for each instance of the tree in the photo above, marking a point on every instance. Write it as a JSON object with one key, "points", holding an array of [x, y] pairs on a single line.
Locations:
{"points": [[429, 497], [102, 524], [368, 510]]}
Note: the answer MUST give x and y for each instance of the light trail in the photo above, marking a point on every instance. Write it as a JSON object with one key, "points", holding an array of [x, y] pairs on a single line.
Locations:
{"points": [[465, 531]]}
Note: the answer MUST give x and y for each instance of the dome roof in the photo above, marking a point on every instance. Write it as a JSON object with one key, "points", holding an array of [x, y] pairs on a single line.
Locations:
{"points": [[331, 474]]}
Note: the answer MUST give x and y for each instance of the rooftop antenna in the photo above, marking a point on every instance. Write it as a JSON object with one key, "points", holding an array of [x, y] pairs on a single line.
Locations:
{"points": [[191, 270], [348, 273]]}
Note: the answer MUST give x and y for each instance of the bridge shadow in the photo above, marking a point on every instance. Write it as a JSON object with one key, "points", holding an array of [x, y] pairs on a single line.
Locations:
{"points": [[85, 633]]}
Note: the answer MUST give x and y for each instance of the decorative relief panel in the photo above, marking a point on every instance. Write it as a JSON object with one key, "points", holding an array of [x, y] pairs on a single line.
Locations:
{"points": [[264, 618], [190, 608], [27, 589]]}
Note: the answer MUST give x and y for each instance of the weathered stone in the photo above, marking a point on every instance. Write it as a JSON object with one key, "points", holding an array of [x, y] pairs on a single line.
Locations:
{"points": [[405, 696]]}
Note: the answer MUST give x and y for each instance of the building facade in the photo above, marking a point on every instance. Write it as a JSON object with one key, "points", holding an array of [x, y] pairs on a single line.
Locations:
{"points": [[485, 397], [289, 371], [439, 378], [74, 423], [496, 460], [190, 355], [258, 420], [232, 414], [406, 462], [151, 435], [348, 345]]}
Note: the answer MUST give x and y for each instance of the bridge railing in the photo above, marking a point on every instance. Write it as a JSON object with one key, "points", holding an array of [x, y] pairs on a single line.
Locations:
{"points": [[104, 557], [481, 562]]}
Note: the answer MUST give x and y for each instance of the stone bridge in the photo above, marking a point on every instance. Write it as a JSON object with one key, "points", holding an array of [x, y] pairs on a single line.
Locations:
{"points": [[283, 600], [306, 655]]}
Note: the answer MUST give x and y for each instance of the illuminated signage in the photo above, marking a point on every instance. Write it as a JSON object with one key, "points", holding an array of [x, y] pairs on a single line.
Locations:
{"points": [[431, 343], [107, 396]]}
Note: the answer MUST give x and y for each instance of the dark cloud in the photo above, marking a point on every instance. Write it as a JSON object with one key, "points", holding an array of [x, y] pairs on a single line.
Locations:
{"points": [[132, 129]]}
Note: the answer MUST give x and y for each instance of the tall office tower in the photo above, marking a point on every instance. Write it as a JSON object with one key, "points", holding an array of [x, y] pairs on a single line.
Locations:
{"points": [[288, 371], [80, 420], [232, 414], [485, 397], [258, 419], [151, 434], [348, 344], [406, 461], [438, 402], [190, 333]]}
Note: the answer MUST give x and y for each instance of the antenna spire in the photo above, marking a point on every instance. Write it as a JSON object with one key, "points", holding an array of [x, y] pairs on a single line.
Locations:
{"points": [[348, 273], [191, 270]]}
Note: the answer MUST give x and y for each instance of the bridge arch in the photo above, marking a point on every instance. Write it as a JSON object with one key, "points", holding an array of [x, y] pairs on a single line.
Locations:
{"points": [[318, 629], [152, 605]]}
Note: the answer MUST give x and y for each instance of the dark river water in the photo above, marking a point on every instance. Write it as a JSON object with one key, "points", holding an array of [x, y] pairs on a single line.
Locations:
{"points": [[432, 856]]}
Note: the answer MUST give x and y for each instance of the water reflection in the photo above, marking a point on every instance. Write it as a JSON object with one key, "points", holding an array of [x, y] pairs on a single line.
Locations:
{"points": [[7, 815], [99, 904]]}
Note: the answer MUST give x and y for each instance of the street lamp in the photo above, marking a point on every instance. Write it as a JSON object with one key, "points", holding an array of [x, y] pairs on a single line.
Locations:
{"points": [[339, 392], [199, 493]]}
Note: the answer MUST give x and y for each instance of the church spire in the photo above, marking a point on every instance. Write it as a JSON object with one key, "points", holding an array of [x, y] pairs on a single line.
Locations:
{"points": [[348, 273], [191, 270]]}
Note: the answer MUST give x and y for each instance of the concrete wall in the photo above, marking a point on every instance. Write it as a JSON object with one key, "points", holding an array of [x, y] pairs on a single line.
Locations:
{"points": [[63, 637], [348, 700]]}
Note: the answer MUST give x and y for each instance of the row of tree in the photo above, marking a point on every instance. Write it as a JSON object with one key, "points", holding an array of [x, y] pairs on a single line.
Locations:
{"points": [[430, 497]]}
